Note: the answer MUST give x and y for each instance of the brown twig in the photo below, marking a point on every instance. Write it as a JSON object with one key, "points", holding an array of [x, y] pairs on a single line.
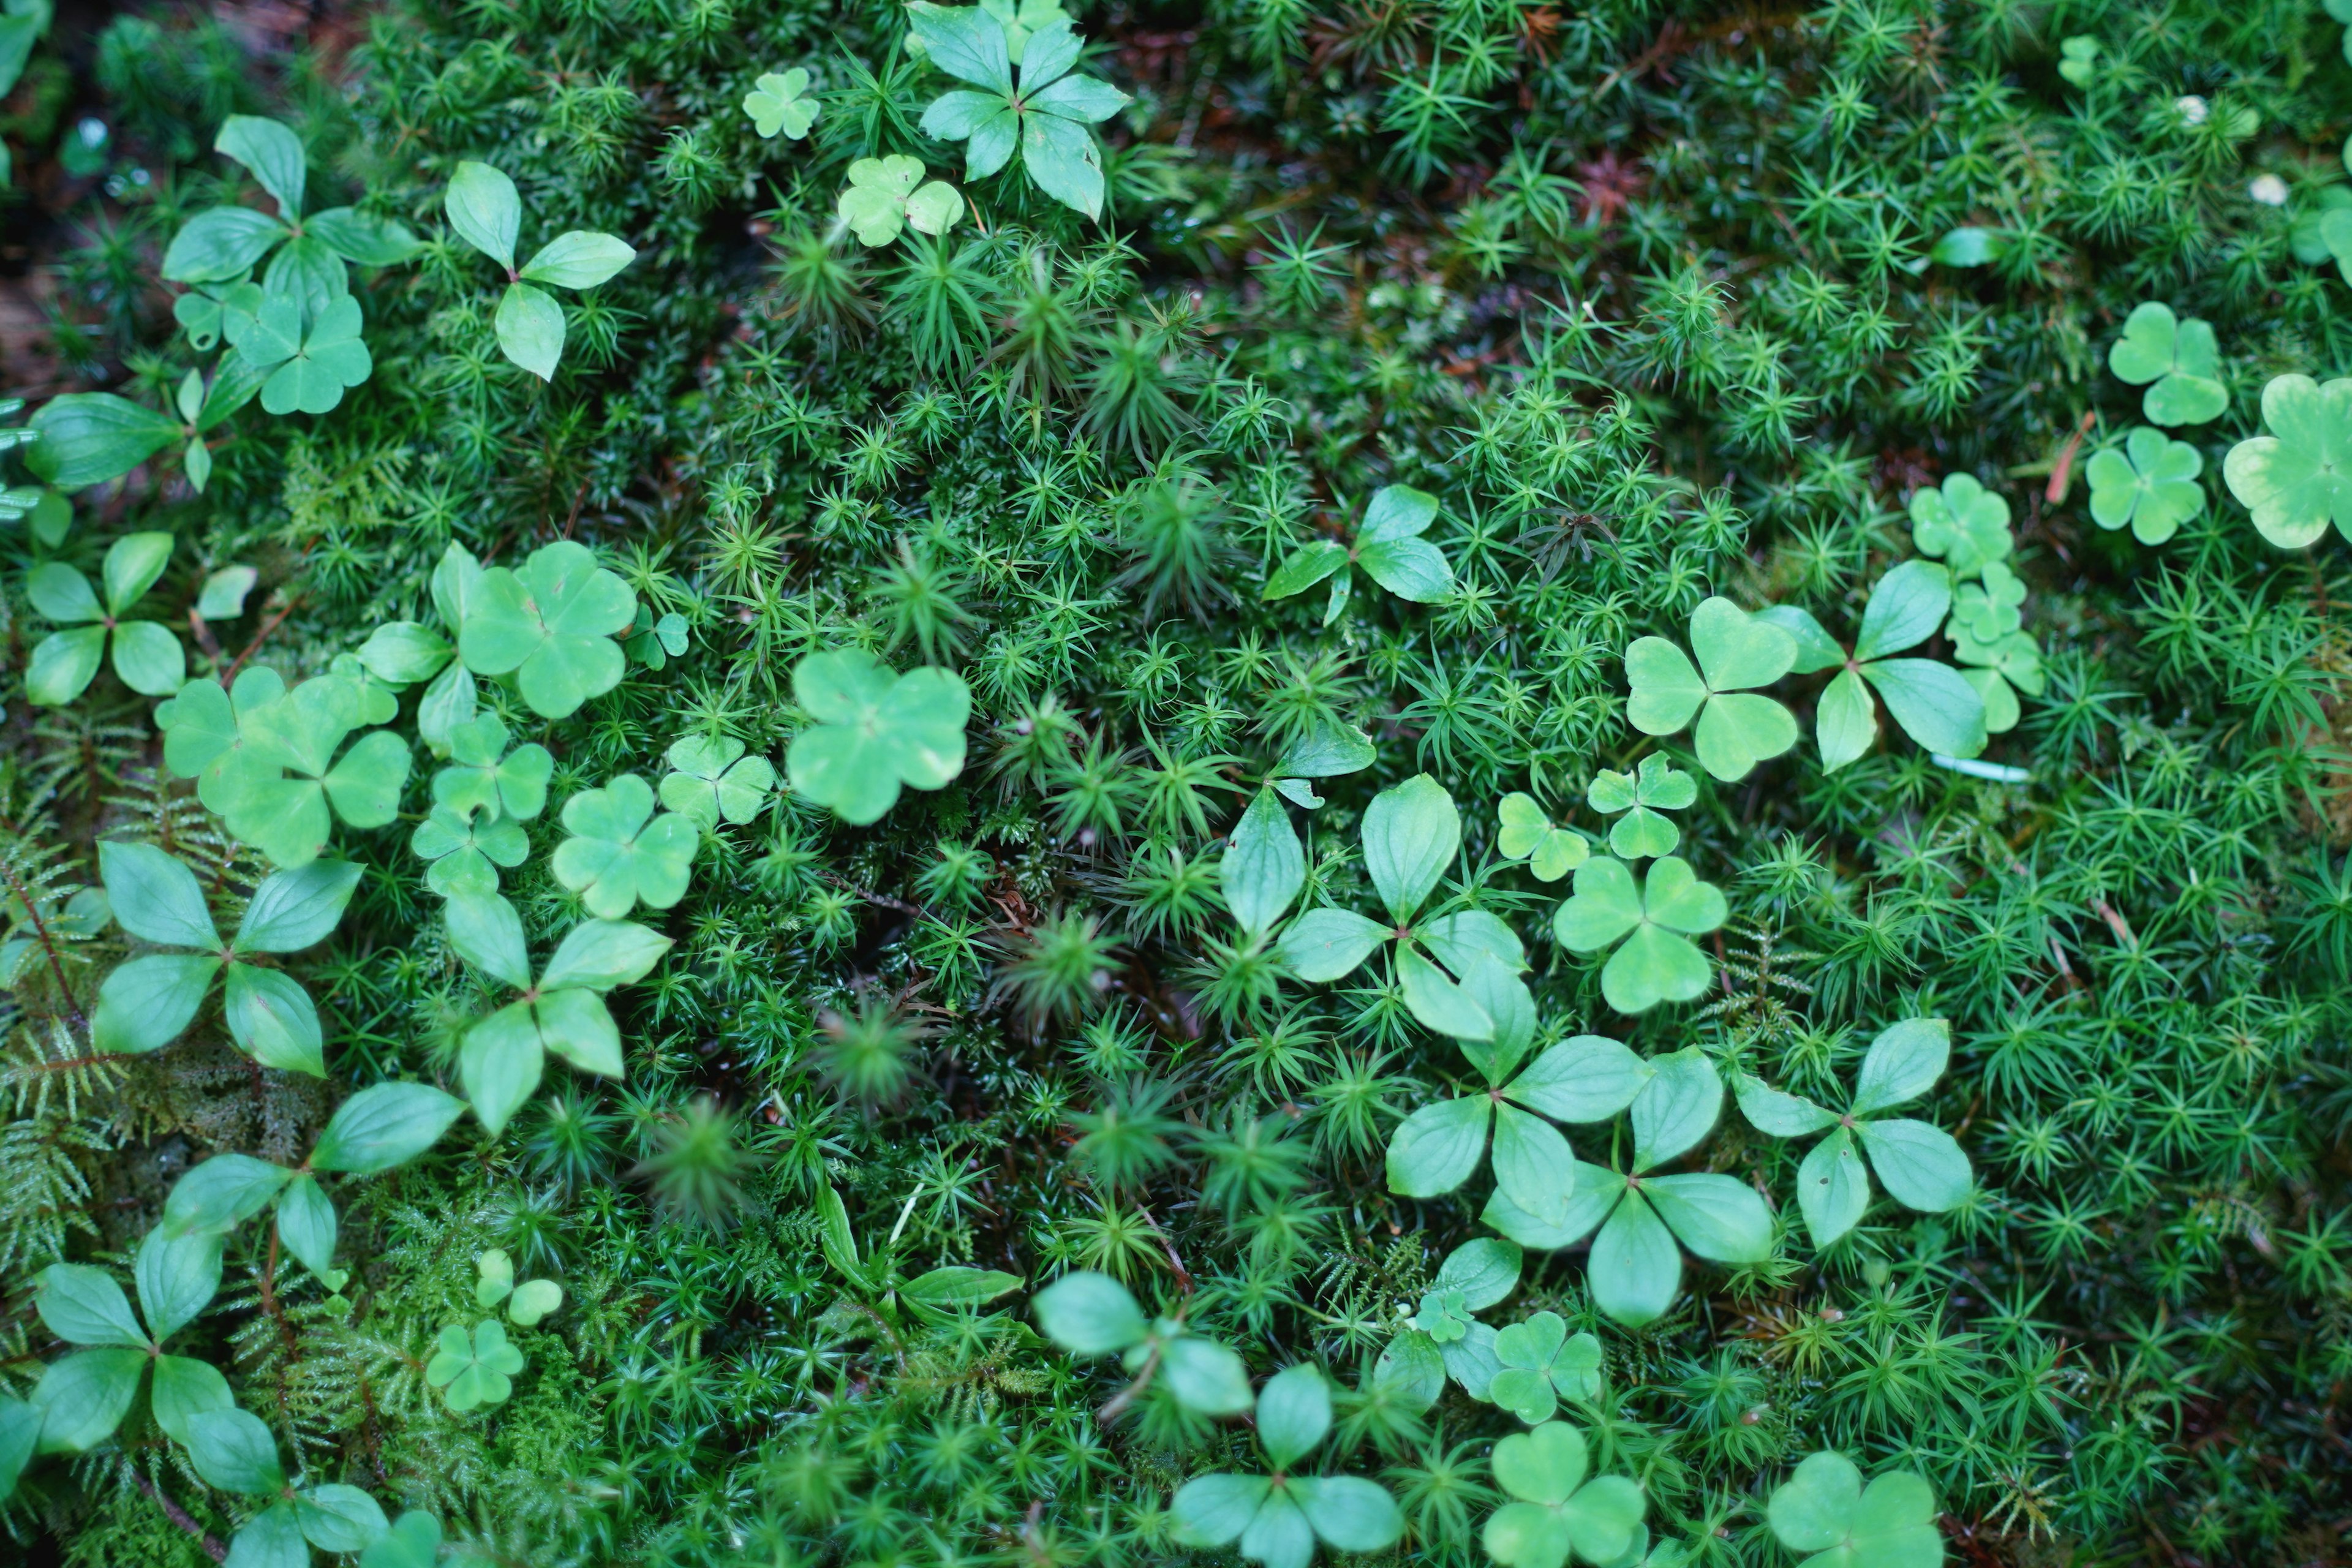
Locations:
{"points": [[202, 630], [259, 638], [2061, 473], [179, 1516], [49, 944], [1183, 1274]]}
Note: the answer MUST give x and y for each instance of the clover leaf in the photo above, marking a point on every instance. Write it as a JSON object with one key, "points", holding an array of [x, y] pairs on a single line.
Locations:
{"points": [[1991, 608], [501, 1058], [1442, 1339], [1557, 1513], [1823, 1510], [147, 656], [477, 1369], [1387, 545], [1636, 1268], [1278, 1519], [550, 627], [876, 729], [1410, 832], [2078, 60], [527, 1303], [1045, 116], [1737, 651], [714, 782], [1091, 1314], [782, 102], [485, 210], [82, 1397], [2308, 237], [310, 357], [2297, 478], [1936, 705], [1653, 920], [1962, 522], [620, 853], [1023, 18], [1525, 833], [485, 778], [883, 197], [1655, 787], [2151, 485], [241, 745], [1920, 1165], [1542, 1363], [654, 643], [149, 1001], [2178, 359], [1998, 671], [465, 852]]}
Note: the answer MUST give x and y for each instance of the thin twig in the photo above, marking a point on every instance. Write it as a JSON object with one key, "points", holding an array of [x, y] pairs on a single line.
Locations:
{"points": [[179, 1516], [259, 638], [49, 944]]}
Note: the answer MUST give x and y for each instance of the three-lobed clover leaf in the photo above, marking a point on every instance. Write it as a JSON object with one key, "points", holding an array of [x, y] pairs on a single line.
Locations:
{"points": [[485, 210], [1525, 831], [465, 852], [885, 195], [2179, 361], [1410, 832], [654, 643], [1636, 1268], [83, 1397], [1387, 545], [620, 853], [1091, 1314], [264, 757], [1442, 1338], [527, 1302], [1920, 1163], [551, 627], [1278, 1519], [148, 1002], [1736, 652], [147, 656], [309, 356], [1557, 1513], [1649, 923], [1542, 1363], [713, 782], [1989, 608], [500, 1059], [2297, 478], [1962, 523], [1823, 1510], [1998, 671], [2078, 59], [1655, 787], [484, 778], [781, 101], [2150, 484], [474, 1369], [1044, 116], [1936, 705], [876, 731]]}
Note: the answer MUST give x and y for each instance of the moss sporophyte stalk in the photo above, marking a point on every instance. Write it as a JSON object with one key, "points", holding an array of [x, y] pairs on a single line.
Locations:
{"points": [[1044, 783]]}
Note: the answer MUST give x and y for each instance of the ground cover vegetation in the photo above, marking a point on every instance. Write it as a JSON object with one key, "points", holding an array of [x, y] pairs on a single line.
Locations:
{"points": [[1450, 781]]}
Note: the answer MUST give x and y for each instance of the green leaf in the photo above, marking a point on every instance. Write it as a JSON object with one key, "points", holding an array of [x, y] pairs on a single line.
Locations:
{"points": [[1676, 1108], [578, 258], [1779, 1114], [88, 437], [232, 1450], [1736, 650], [1833, 1189], [222, 1194], [385, 1125], [619, 853], [1412, 1368], [1324, 945], [2150, 484], [1585, 1078], [132, 564], [485, 210], [714, 782], [337, 1517], [154, 896], [270, 1539], [876, 731], [144, 1004], [966, 42], [178, 1276], [487, 932], [332, 358], [1719, 1217], [1060, 159], [358, 236], [1921, 1166], [1738, 731], [1484, 1270], [272, 151], [221, 244], [1294, 1413], [1902, 1063], [1264, 865], [1308, 565], [1279, 1537], [1205, 1376], [474, 1369], [147, 659], [1410, 832], [20, 1437], [63, 665], [1904, 609], [960, 1287], [1412, 569], [1397, 512], [1845, 721], [273, 1020], [84, 1306], [83, 1397], [551, 627], [529, 325], [1436, 1001], [2296, 480], [780, 101], [1090, 1314], [1666, 686], [1348, 1513], [1636, 1268], [298, 909], [1327, 750], [1214, 1510], [1934, 703], [1533, 1163], [183, 1389], [306, 1224], [2179, 359], [1438, 1147], [414, 1542], [533, 1299]]}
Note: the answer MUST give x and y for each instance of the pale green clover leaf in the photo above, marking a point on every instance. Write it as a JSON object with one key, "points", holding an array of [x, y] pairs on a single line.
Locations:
{"points": [[1936, 705], [1655, 787], [654, 643], [1442, 1338], [485, 779], [310, 358], [1991, 608], [882, 198], [1920, 1165], [2178, 359], [465, 852], [1528, 834], [1998, 671], [1736, 652], [1278, 1519], [1389, 548], [1556, 1512], [782, 102], [1649, 923], [550, 627], [1823, 1511], [2078, 60], [619, 852], [147, 656], [1044, 118], [477, 1369], [1543, 1363], [876, 729], [2151, 485], [714, 782], [1962, 522], [2308, 237], [2298, 478], [1636, 1268]]}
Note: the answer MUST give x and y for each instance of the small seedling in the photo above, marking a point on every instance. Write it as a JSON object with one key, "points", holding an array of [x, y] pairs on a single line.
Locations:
{"points": [[1090, 1315], [714, 782], [1542, 1363], [1960, 522], [485, 210], [620, 853], [1655, 787], [1934, 705], [147, 656], [1525, 832], [1387, 546], [1044, 117], [1823, 1510], [1279, 1518], [884, 197], [1556, 1512], [1442, 1339], [782, 102]]}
